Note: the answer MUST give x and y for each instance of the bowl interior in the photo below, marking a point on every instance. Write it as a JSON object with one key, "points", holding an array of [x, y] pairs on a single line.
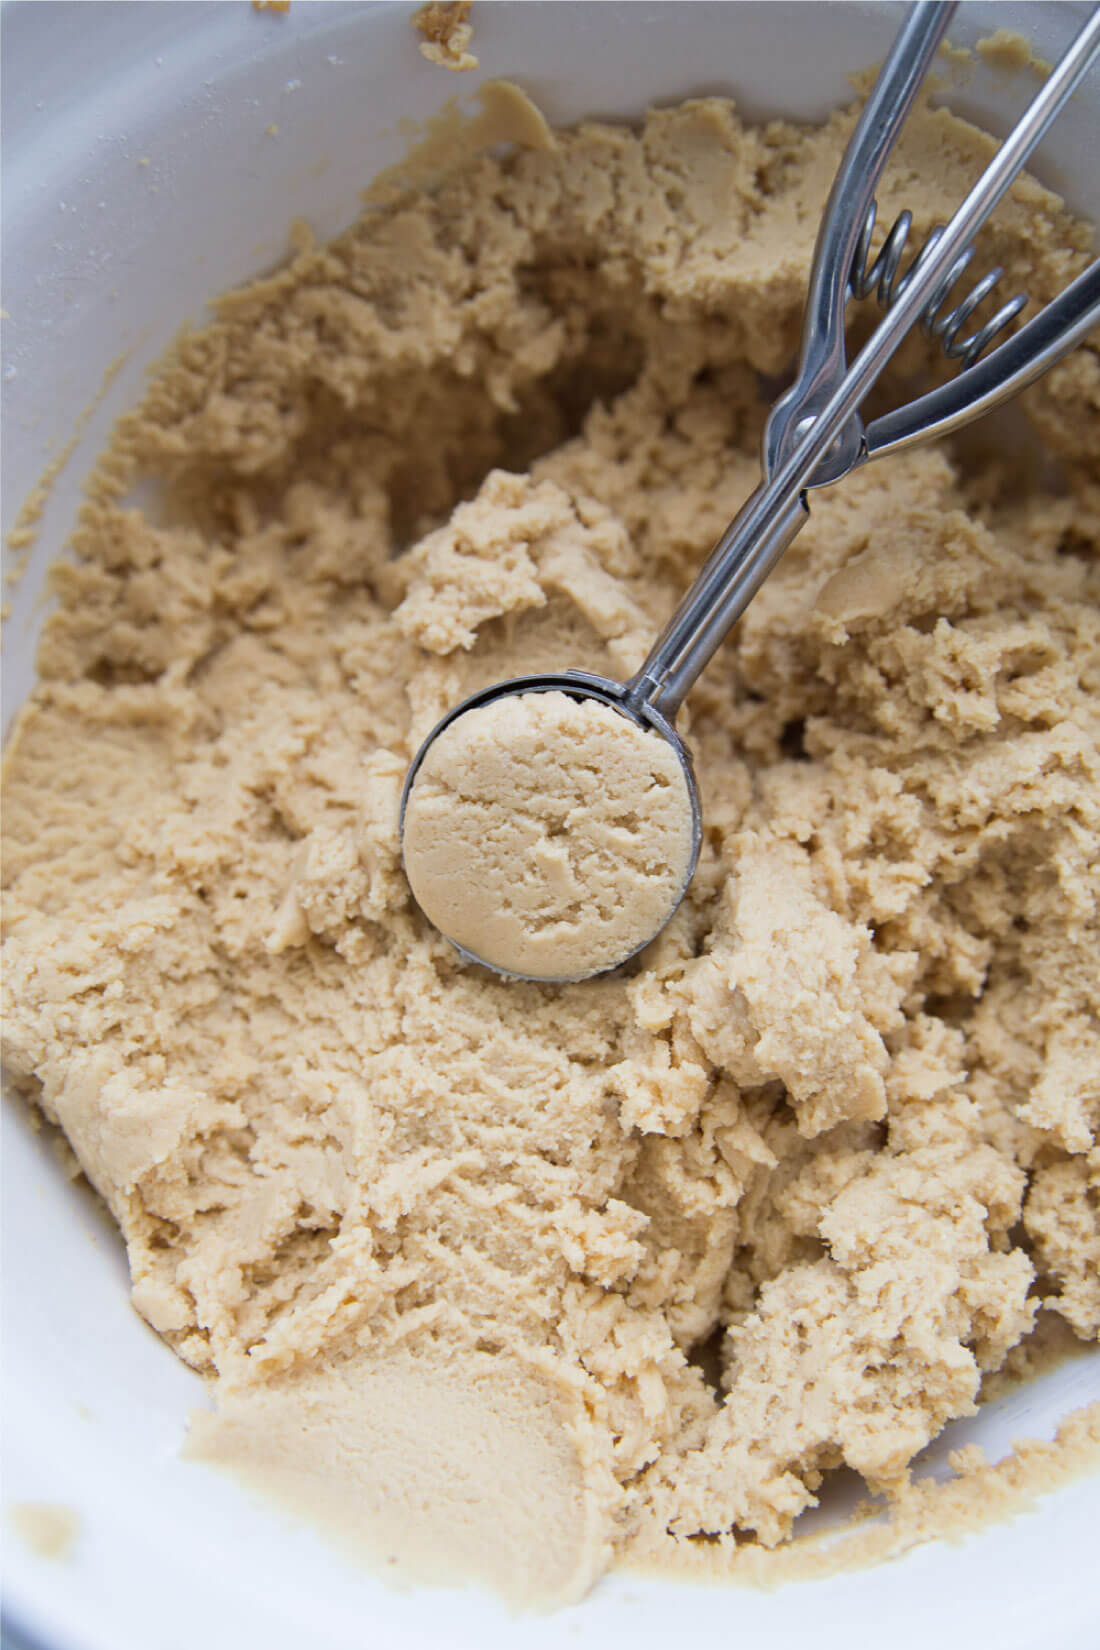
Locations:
{"points": [[141, 175]]}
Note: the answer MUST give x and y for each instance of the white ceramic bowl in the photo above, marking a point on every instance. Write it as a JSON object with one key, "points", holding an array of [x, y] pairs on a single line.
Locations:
{"points": [[138, 180]]}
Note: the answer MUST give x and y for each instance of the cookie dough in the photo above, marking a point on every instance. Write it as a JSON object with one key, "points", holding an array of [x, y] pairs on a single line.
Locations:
{"points": [[49, 1528], [777, 1200], [430, 1469], [446, 34], [549, 836]]}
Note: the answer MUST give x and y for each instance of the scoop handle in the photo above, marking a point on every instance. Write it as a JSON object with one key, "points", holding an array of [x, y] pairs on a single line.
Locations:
{"points": [[732, 574], [823, 358], [772, 516]]}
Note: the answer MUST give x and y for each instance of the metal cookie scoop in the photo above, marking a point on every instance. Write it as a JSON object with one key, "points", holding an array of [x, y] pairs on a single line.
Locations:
{"points": [[814, 435]]}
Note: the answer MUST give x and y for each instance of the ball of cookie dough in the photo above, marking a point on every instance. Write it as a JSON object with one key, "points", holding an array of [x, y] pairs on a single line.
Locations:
{"points": [[548, 835]]}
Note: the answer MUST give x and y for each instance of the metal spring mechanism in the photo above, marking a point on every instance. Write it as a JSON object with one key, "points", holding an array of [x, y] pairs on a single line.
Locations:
{"points": [[883, 277]]}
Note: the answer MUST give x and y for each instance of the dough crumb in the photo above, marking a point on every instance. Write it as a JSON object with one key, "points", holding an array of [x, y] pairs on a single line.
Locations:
{"points": [[446, 33], [1006, 49], [549, 836], [49, 1528]]}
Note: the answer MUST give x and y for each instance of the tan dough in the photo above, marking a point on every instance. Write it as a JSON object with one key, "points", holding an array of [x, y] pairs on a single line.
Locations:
{"points": [[778, 1199], [548, 836], [445, 33], [49, 1528], [438, 1471]]}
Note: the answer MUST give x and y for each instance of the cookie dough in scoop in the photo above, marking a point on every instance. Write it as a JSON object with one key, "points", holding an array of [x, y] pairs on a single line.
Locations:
{"points": [[548, 835]]}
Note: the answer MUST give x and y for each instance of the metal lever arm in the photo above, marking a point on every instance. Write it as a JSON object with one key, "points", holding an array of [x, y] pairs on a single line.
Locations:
{"points": [[1046, 338]]}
